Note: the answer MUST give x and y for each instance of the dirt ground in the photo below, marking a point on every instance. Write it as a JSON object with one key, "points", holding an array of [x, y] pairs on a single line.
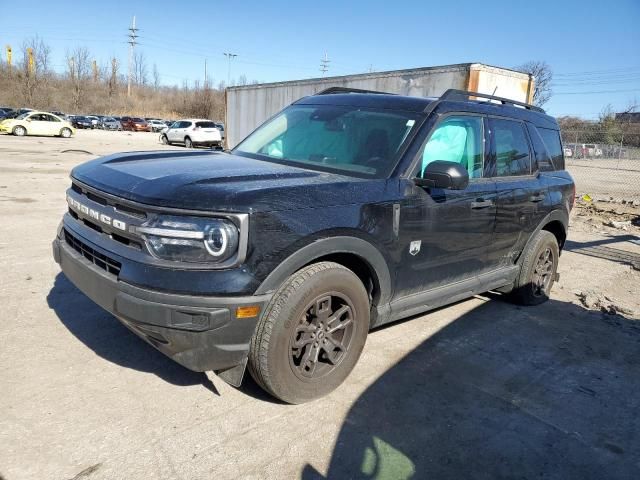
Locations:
{"points": [[479, 389]]}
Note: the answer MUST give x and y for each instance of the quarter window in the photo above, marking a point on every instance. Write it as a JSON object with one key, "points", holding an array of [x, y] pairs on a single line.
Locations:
{"points": [[511, 147], [456, 139], [551, 139]]}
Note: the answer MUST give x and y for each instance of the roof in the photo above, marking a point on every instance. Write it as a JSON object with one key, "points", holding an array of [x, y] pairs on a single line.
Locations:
{"points": [[370, 100]]}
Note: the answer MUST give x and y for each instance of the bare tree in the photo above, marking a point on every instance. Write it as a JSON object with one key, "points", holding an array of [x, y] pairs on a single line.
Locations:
{"points": [[242, 80], [140, 69], [112, 84], [78, 71], [34, 71], [543, 76], [156, 77]]}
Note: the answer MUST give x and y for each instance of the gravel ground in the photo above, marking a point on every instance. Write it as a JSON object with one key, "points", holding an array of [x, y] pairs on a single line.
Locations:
{"points": [[479, 389]]}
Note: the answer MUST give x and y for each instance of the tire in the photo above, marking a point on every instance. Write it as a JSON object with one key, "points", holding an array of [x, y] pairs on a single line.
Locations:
{"points": [[19, 131], [188, 143], [538, 267], [295, 352], [164, 140], [65, 133]]}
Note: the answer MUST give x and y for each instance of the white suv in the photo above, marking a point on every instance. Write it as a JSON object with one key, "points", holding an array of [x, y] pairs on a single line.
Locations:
{"points": [[192, 132]]}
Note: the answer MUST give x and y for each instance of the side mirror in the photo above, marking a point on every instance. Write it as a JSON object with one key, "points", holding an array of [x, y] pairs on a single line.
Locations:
{"points": [[444, 174], [28, 119]]}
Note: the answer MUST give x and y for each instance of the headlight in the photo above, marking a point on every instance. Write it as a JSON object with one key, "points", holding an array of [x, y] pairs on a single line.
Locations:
{"points": [[191, 239]]}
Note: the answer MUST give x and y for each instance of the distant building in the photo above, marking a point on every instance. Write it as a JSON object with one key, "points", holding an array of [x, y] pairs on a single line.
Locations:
{"points": [[629, 117]]}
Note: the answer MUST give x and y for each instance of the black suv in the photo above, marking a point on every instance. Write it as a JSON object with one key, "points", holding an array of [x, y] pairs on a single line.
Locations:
{"points": [[346, 211]]}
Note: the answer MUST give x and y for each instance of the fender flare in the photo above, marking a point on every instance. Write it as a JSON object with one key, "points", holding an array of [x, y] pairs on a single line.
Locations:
{"points": [[555, 215], [327, 246]]}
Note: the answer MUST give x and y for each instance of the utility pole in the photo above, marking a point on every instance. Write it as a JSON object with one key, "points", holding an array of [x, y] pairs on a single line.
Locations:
{"points": [[324, 64], [205, 72], [230, 56], [133, 35]]}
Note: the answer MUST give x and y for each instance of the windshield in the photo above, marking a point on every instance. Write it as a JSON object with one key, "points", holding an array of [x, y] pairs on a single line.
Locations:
{"points": [[351, 140], [23, 116]]}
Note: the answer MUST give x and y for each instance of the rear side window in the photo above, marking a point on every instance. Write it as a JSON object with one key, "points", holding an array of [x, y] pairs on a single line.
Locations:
{"points": [[551, 139], [206, 125], [511, 148], [540, 152]]}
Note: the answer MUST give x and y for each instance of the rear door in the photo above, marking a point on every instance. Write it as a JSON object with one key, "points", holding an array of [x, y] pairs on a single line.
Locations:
{"points": [[445, 235], [521, 192]]}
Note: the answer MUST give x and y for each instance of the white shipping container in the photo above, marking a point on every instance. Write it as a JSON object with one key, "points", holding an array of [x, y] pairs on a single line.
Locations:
{"points": [[249, 106]]}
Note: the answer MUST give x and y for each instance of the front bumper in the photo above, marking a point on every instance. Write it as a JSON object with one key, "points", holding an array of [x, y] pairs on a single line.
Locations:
{"points": [[200, 333]]}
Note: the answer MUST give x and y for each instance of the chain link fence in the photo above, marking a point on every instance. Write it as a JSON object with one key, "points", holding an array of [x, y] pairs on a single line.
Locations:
{"points": [[604, 165]]}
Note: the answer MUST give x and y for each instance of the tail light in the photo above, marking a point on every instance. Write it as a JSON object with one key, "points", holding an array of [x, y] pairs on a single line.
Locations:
{"points": [[572, 199]]}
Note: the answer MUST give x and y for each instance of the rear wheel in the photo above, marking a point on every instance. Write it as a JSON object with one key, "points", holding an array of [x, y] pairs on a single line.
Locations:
{"points": [[538, 268], [19, 131], [188, 143], [65, 133], [311, 334]]}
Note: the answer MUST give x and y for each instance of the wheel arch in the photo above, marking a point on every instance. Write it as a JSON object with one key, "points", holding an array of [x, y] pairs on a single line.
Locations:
{"points": [[557, 223], [358, 255]]}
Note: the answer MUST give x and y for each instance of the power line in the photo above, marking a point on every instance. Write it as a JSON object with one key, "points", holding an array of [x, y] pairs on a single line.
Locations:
{"points": [[597, 92], [230, 56], [324, 64], [132, 45]]}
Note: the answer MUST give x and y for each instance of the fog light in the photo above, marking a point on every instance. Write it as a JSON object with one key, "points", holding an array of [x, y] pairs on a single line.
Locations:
{"points": [[247, 312]]}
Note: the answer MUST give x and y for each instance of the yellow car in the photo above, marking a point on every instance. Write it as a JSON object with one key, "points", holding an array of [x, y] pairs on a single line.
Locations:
{"points": [[37, 123]]}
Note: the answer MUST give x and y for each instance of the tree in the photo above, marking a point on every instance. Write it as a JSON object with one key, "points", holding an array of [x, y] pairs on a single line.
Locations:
{"points": [[543, 76], [79, 72], [113, 77], [140, 69], [156, 77], [34, 75]]}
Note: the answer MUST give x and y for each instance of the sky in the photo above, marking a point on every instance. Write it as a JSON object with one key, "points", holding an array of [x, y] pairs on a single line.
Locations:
{"points": [[592, 47]]}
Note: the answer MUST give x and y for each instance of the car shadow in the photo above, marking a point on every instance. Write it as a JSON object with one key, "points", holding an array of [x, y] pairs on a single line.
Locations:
{"points": [[107, 337], [602, 249], [503, 391]]}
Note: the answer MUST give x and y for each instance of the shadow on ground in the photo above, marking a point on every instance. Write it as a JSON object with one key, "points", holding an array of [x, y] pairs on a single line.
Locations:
{"points": [[503, 392], [107, 337], [602, 249]]}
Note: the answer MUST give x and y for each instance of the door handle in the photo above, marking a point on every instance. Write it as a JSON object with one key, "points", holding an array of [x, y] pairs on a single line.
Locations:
{"points": [[536, 197], [481, 203]]}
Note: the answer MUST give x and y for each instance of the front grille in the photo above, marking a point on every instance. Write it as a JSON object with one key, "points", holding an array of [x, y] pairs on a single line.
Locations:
{"points": [[98, 259]]}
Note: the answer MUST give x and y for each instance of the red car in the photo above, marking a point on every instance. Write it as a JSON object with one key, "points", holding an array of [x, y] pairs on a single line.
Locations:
{"points": [[135, 124]]}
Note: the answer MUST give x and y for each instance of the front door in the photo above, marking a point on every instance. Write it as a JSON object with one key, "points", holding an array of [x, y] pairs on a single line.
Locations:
{"points": [[445, 235]]}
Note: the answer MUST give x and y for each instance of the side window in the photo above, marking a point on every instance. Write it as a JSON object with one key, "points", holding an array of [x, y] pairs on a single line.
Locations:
{"points": [[551, 139], [51, 118], [511, 147], [542, 161], [456, 139]]}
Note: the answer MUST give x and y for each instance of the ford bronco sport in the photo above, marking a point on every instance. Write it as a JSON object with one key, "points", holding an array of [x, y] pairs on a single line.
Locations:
{"points": [[346, 211]]}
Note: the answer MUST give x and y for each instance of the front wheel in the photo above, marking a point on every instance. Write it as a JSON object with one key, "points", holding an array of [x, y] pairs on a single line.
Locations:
{"points": [[538, 267], [65, 133], [188, 143], [19, 131], [164, 139], [311, 334]]}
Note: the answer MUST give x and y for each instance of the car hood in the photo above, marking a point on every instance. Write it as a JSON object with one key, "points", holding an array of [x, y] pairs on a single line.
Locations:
{"points": [[216, 181]]}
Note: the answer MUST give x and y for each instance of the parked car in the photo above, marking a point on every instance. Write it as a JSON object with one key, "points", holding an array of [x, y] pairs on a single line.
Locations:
{"points": [[37, 123], [95, 121], [220, 127], [568, 152], [81, 122], [192, 132], [135, 124], [110, 123], [156, 125], [343, 212]]}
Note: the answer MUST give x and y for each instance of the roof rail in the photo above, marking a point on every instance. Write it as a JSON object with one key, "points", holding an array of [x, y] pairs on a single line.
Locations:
{"points": [[331, 90], [463, 95]]}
